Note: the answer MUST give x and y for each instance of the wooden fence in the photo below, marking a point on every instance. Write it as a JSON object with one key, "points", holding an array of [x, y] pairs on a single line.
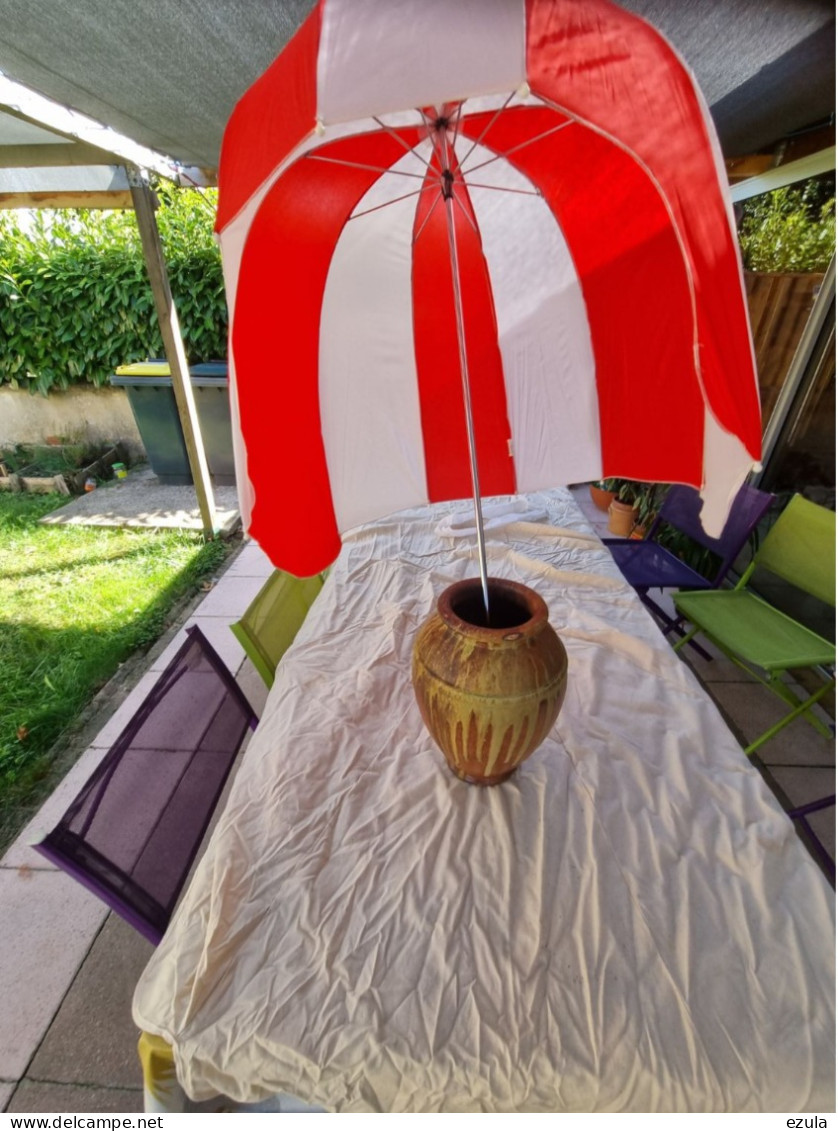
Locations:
{"points": [[779, 306]]}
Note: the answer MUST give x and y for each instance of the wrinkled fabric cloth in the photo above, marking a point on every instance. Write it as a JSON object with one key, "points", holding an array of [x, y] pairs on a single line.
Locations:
{"points": [[628, 923], [462, 524]]}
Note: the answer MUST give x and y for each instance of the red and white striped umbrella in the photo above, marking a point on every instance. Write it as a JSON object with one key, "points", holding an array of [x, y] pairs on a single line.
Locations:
{"points": [[559, 158]]}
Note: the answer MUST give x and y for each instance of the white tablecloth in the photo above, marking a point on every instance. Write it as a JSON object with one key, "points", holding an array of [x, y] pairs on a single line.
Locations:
{"points": [[629, 923]]}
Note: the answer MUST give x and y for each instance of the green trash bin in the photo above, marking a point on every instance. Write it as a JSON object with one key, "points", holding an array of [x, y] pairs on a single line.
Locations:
{"points": [[212, 399], [152, 399]]}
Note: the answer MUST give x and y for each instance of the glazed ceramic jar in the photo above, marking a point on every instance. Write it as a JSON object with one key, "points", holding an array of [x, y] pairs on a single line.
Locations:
{"points": [[489, 693]]}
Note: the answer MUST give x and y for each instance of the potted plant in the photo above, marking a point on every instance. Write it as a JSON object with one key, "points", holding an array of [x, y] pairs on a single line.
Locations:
{"points": [[633, 508], [622, 511], [603, 492], [648, 501]]}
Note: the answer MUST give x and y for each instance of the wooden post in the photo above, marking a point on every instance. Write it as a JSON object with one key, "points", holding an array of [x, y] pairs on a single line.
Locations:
{"points": [[144, 205]]}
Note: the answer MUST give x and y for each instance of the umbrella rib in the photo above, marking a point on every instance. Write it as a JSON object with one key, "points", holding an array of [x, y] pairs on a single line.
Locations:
{"points": [[387, 203], [361, 165], [515, 148], [436, 145], [465, 213], [477, 141], [409, 148], [427, 218], [457, 125], [503, 188]]}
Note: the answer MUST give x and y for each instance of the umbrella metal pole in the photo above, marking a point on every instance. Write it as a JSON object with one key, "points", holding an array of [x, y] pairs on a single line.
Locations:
{"points": [[461, 341]]}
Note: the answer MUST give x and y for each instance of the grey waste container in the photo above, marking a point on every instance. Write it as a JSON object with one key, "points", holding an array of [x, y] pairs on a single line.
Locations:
{"points": [[152, 399]]}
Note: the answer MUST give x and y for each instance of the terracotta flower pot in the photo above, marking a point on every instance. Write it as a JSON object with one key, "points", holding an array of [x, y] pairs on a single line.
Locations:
{"points": [[600, 497], [622, 518], [489, 694]]}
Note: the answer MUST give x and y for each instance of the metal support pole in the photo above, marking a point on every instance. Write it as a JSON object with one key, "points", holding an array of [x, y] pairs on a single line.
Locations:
{"points": [[461, 341], [144, 205]]}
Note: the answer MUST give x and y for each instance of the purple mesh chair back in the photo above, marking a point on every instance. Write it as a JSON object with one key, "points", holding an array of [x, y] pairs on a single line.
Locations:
{"points": [[682, 509], [132, 833]]}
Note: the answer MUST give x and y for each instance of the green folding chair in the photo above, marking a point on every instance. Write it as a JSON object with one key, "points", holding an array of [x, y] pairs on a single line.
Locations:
{"points": [[273, 619], [766, 643]]}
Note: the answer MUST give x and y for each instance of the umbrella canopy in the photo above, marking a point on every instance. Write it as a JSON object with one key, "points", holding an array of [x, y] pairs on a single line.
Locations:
{"points": [[527, 191]]}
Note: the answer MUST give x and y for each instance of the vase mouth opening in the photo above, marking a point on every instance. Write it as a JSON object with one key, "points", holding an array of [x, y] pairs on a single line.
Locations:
{"points": [[511, 606]]}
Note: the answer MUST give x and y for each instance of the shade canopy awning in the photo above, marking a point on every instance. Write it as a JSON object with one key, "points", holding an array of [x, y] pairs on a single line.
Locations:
{"points": [[52, 156], [169, 77], [41, 168]]}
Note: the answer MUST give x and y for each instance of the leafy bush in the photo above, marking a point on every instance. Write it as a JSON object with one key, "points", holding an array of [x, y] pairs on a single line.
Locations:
{"points": [[789, 230], [75, 301]]}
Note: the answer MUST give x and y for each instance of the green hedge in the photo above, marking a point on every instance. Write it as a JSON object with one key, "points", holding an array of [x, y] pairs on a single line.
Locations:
{"points": [[75, 301], [790, 229]]}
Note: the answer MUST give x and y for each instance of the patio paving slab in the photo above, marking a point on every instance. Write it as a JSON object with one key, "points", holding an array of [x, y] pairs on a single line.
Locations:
{"points": [[6, 1091], [217, 632], [42, 1095], [92, 1039], [823, 824], [751, 709], [21, 854], [810, 783], [251, 561], [811, 786], [253, 686], [230, 597], [46, 929]]}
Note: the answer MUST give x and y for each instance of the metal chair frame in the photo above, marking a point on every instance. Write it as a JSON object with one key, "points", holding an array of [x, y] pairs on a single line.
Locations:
{"points": [[801, 814]]}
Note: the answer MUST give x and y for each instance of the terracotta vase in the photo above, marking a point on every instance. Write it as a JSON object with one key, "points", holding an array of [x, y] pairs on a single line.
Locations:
{"points": [[488, 694], [622, 518]]}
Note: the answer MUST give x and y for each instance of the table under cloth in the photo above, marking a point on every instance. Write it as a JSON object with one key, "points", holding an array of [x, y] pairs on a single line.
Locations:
{"points": [[628, 923]]}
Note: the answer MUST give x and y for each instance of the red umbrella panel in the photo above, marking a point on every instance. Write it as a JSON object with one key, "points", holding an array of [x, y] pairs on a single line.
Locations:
{"points": [[503, 222]]}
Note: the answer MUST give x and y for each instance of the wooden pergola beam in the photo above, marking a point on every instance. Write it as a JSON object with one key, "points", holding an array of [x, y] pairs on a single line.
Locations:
{"points": [[68, 198], [738, 168], [45, 156], [144, 206], [786, 152]]}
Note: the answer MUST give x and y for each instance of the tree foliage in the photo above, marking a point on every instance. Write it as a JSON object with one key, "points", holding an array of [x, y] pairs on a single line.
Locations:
{"points": [[75, 300], [790, 229]]}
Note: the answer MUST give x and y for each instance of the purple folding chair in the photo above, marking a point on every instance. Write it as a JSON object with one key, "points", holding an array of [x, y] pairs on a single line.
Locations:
{"points": [[646, 564], [133, 831]]}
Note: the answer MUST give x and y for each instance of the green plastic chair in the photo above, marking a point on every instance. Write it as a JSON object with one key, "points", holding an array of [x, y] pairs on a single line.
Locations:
{"points": [[273, 619], [766, 643]]}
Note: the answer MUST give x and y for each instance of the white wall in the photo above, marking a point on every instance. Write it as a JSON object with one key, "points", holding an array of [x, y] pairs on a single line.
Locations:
{"points": [[75, 415]]}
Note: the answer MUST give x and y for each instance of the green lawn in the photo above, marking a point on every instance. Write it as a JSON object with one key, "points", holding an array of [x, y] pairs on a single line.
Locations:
{"points": [[75, 602]]}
